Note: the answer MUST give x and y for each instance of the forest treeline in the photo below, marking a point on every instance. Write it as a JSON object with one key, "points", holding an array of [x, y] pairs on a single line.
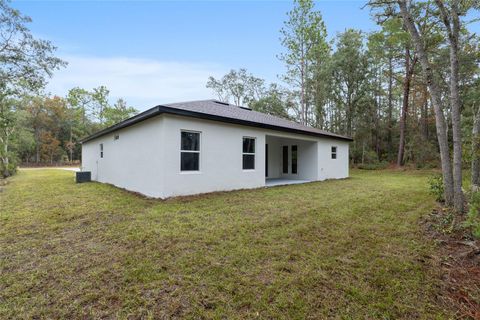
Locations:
{"points": [[369, 86]]}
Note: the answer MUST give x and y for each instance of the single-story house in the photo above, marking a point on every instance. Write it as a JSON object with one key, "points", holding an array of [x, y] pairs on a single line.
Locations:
{"points": [[204, 146]]}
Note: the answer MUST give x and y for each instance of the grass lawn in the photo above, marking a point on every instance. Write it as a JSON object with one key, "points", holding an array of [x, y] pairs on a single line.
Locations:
{"points": [[344, 249]]}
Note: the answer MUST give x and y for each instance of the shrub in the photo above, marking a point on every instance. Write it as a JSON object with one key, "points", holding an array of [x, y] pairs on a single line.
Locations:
{"points": [[436, 187], [473, 215]]}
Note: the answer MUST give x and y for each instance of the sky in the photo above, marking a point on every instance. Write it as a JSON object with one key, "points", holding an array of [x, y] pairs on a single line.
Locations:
{"points": [[154, 52]]}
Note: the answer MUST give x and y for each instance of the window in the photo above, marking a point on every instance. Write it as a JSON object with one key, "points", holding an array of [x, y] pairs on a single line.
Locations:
{"points": [[116, 137], [285, 159], [190, 151], [294, 159], [248, 154], [334, 152], [101, 150]]}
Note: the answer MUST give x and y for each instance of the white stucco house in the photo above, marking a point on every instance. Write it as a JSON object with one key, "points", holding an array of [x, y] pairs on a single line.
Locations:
{"points": [[204, 146]]}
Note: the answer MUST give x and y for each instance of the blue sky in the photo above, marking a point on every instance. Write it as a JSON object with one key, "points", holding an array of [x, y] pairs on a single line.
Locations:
{"points": [[153, 52]]}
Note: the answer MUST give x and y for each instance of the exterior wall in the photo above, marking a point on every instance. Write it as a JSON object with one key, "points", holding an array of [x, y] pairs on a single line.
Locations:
{"points": [[274, 157], [146, 157], [220, 157], [333, 168], [133, 162]]}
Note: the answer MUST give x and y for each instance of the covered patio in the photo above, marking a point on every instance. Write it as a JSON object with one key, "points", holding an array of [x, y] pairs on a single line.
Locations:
{"points": [[290, 161]]}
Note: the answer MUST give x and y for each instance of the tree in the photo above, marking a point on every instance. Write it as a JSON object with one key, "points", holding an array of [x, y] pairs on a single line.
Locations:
{"points": [[349, 73], [304, 39], [119, 112], [80, 100], [451, 20], [100, 103], [409, 70], [25, 64], [275, 102], [240, 85], [50, 146], [7, 128], [435, 94]]}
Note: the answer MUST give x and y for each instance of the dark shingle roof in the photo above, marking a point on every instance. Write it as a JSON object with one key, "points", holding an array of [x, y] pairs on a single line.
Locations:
{"points": [[224, 112]]}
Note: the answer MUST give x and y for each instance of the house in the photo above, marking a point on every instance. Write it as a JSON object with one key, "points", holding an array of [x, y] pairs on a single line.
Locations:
{"points": [[203, 146]]}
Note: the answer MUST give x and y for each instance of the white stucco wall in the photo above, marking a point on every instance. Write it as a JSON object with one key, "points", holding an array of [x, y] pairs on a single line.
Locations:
{"points": [[333, 168], [132, 162], [220, 157], [146, 157]]}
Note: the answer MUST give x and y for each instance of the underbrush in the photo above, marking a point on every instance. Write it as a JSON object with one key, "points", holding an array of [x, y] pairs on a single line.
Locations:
{"points": [[373, 166], [472, 220], [457, 235]]}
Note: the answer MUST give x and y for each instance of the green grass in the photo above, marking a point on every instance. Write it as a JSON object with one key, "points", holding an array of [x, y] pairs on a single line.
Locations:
{"points": [[344, 249]]}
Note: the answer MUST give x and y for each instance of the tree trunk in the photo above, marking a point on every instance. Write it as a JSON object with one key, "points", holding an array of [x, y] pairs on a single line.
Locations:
{"points": [[452, 24], [390, 107], [5, 161], [302, 94], [403, 117], [436, 101], [424, 116], [37, 146], [476, 152]]}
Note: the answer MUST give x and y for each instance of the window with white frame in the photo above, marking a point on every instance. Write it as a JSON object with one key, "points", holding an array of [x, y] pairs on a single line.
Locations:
{"points": [[101, 150], [248, 153], [334, 152], [190, 151]]}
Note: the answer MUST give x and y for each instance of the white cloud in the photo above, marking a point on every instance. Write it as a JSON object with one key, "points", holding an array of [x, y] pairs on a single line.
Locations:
{"points": [[142, 82]]}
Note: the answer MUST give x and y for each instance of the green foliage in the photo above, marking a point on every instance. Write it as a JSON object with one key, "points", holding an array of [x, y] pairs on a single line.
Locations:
{"points": [[436, 187], [373, 166], [446, 222], [273, 101], [473, 215], [421, 152], [304, 39], [241, 86], [119, 112], [48, 129], [25, 62]]}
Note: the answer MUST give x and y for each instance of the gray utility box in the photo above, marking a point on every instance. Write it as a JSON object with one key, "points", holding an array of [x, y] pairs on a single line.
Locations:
{"points": [[83, 176]]}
